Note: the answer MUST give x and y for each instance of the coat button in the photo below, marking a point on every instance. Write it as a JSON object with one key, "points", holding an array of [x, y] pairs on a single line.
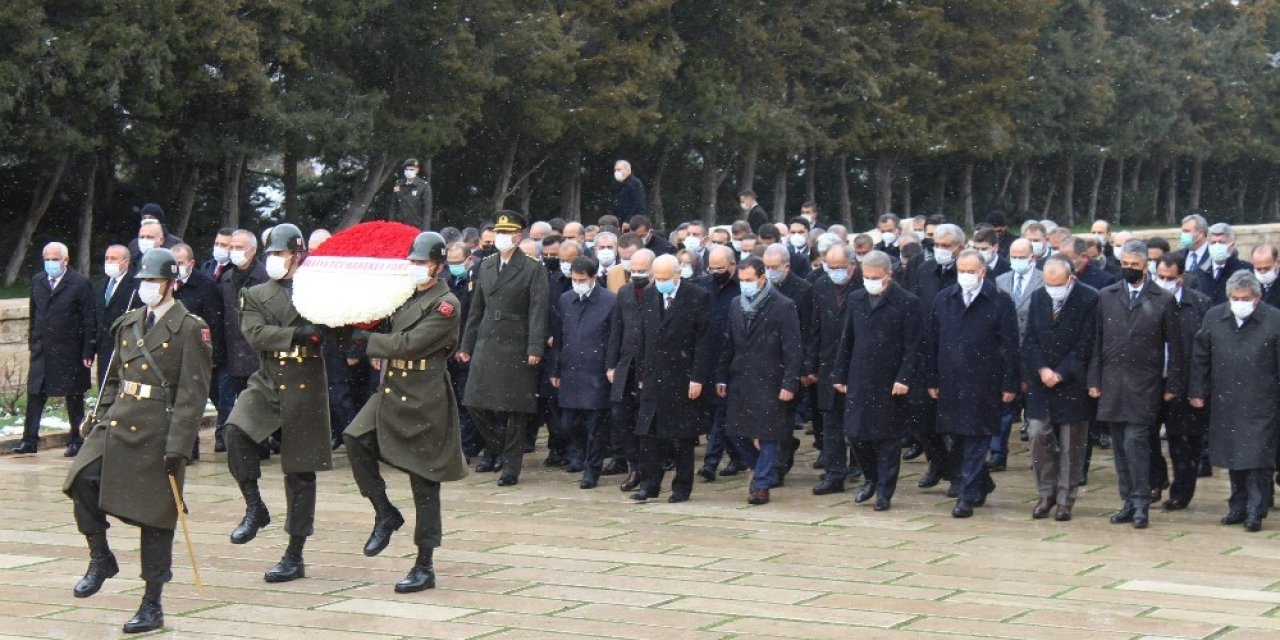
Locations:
{"points": [[133, 428], [387, 390], [144, 366], [124, 343], [404, 398], [302, 386], [282, 363], [126, 365], [404, 374], [115, 422], [164, 345], [282, 387]]}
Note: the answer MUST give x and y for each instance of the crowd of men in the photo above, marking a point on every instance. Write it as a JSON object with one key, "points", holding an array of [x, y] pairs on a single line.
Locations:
{"points": [[633, 347]]}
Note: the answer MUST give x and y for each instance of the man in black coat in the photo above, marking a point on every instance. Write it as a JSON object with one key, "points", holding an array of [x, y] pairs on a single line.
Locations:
{"points": [[201, 297], [987, 242], [890, 228], [759, 371], [220, 261], [61, 333], [752, 212], [460, 284], [580, 346], [112, 298], [721, 282], [1184, 425], [150, 213], [652, 241], [1138, 360], [777, 264], [675, 363], [1264, 259], [629, 198], [1056, 349], [622, 365], [971, 369], [411, 198], [1221, 264], [241, 359], [1075, 249], [838, 280], [874, 369]]}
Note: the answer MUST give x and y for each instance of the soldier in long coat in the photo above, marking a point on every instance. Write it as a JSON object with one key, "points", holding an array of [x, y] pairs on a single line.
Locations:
{"points": [[289, 394], [412, 424], [148, 418], [1236, 362], [504, 341], [411, 197]]}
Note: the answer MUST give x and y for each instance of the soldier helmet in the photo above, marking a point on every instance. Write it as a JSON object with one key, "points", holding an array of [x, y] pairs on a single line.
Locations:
{"points": [[429, 245], [158, 263], [285, 237], [412, 162]]}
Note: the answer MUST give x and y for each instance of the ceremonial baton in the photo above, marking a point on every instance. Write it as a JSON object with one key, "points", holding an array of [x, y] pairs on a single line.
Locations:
{"points": [[186, 534]]}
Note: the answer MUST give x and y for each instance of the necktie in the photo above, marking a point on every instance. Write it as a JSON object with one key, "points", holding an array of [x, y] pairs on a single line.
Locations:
{"points": [[151, 322], [1133, 298], [1195, 261], [217, 272], [1017, 288], [968, 298], [666, 302], [1057, 308], [52, 283], [111, 289]]}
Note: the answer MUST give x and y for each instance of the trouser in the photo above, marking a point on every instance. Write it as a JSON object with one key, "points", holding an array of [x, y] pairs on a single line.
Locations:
{"points": [[1000, 441], [1057, 458], [35, 410], [472, 443], [586, 436], [1132, 450], [836, 450], [622, 430], [364, 455], [719, 443], [216, 382], [1185, 429], [924, 419], [881, 461], [787, 446], [548, 413], [229, 388], [157, 543], [1250, 491], [503, 433], [245, 464], [971, 470], [762, 461], [342, 409], [818, 419], [653, 450]]}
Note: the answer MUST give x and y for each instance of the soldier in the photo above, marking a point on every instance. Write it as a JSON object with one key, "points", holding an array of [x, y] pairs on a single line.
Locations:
{"points": [[413, 424], [288, 394], [411, 197], [150, 408]]}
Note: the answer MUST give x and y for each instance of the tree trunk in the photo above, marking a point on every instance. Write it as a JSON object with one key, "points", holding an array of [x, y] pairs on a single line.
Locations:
{"points": [[1171, 193], [41, 197], [1024, 188], [712, 178], [187, 198], [430, 197], [232, 169], [811, 175], [1157, 171], [1117, 197], [289, 177], [526, 196], [966, 193], [846, 204], [84, 239], [657, 210], [906, 192], [1005, 179], [1197, 181], [780, 193], [503, 185], [884, 182], [940, 193], [1135, 175], [1048, 200], [1242, 186], [749, 166], [570, 188], [1096, 187], [1069, 191], [379, 169]]}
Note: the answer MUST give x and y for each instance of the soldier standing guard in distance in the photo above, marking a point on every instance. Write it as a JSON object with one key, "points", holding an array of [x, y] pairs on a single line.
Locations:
{"points": [[150, 409], [412, 424], [288, 394]]}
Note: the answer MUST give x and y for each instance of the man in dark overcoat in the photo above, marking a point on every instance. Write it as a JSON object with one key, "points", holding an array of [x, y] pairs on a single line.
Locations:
{"points": [[1236, 362], [971, 355], [198, 293], [242, 359], [504, 340], [873, 370], [838, 278], [112, 298], [777, 262], [721, 282], [622, 366], [411, 197], [675, 361], [459, 277]]}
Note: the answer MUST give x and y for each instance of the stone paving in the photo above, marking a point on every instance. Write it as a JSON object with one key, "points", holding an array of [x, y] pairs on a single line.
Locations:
{"points": [[545, 559]]}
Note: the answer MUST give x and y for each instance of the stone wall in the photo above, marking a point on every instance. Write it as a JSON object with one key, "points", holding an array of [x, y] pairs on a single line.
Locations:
{"points": [[13, 343]]}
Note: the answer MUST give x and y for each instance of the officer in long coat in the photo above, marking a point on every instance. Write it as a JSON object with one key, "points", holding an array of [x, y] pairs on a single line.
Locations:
{"points": [[1236, 362], [505, 338], [290, 394], [412, 423], [148, 419], [411, 197], [873, 371]]}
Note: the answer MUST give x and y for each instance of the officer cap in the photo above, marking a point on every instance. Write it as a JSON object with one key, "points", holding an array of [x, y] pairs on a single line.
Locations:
{"points": [[508, 222]]}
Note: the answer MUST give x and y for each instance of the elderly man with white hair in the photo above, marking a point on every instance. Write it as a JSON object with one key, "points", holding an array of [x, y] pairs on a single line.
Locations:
{"points": [[61, 345], [1223, 263], [629, 199]]}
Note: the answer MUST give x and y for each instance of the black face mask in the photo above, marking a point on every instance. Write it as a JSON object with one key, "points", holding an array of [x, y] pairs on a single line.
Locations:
{"points": [[552, 264], [1132, 276], [488, 250]]}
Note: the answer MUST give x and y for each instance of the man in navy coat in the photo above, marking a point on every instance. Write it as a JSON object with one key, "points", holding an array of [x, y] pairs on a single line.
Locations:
{"points": [[971, 356], [577, 368]]}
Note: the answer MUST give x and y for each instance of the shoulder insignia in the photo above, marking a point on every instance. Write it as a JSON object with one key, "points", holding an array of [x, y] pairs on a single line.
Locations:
{"points": [[445, 308], [205, 334], [396, 189]]}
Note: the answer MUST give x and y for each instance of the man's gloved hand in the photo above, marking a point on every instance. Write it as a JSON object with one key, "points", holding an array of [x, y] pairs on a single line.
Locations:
{"points": [[307, 335], [174, 463], [359, 336]]}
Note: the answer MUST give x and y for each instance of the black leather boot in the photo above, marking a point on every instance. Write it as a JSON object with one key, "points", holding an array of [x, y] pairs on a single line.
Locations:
{"points": [[387, 520], [256, 515], [102, 565], [290, 566], [149, 616], [421, 577]]}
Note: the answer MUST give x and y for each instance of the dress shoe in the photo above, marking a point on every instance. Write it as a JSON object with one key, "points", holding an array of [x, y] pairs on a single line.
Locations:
{"points": [[853, 474], [953, 491], [644, 495], [588, 482], [1205, 470], [632, 482], [962, 510], [554, 460], [507, 481], [1156, 495], [732, 469], [529, 448], [102, 565], [1124, 515], [987, 488], [219, 445], [778, 480], [150, 615], [1174, 504], [25, 447], [1022, 433], [74, 447], [615, 467], [1104, 440], [932, 476], [996, 465], [707, 472], [385, 524], [1041, 510], [1253, 524], [882, 504], [1063, 514], [819, 463], [336, 443], [1233, 517], [287, 570], [256, 517], [573, 467], [668, 464], [864, 493], [914, 452], [757, 496], [488, 464], [195, 451], [680, 497], [1141, 520], [421, 577], [829, 486]]}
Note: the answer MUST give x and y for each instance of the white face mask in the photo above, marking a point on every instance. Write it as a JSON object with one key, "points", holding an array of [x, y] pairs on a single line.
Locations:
{"points": [[184, 271], [1116, 251], [745, 206], [626, 264], [1020, 265], [987, 255], [418, 273], [888, 238], [1057, 294], [607, 256], [276, 267], [503, 242], [239, 258], [410, 174], [943, 257], [582, 288], [149, 293], [1151, 267], [221, 255], [617, 175], [799, 240], [1242, 309], [692, 244], [1037, 248], [968, 281], [112, 269], [146, 244], [686, 272], [1168, 285], [1265, 278], [873, 287], [737, 245], [566, 268]]}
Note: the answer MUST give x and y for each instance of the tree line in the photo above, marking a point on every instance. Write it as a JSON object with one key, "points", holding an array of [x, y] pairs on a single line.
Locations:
{"points": [[1134, 110]]}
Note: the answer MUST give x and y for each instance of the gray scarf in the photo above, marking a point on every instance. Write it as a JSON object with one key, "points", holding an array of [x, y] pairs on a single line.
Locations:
{"points": [[753, 306]]}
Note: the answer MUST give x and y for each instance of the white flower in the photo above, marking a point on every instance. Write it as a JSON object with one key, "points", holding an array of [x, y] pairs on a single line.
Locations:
{"points": [[341, 291]]}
